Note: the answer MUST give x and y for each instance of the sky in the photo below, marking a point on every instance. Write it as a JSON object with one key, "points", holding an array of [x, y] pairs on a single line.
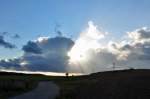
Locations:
{"points": [[30, 19]]}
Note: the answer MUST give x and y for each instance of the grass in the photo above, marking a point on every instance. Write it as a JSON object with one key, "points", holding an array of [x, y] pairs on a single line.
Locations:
{"points": [[123, 84], [9, 83], [10, 88]]}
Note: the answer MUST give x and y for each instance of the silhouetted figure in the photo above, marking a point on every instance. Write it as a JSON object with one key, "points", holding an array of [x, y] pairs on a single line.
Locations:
{"points": [[131, 68], [67, 74]]}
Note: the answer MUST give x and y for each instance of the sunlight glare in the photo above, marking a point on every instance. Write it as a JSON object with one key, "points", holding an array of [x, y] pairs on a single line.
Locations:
{"points": [[88, 40]]}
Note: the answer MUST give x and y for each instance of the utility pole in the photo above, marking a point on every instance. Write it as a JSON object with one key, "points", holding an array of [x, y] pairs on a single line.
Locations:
{"points": [[114, 66]]}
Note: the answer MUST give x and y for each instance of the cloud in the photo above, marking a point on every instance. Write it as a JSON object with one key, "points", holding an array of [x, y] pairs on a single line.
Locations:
{"points": [[134, 51], [10, 63], [140, 35], [5, 43], [86, 54], [44, 54], [16, 36], [53, 57], [32, 47], [4, 33]]}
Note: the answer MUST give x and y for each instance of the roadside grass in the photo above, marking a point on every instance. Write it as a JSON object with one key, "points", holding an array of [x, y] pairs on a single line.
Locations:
{"points": [[97, 84], [9, 88], [15, 84]]}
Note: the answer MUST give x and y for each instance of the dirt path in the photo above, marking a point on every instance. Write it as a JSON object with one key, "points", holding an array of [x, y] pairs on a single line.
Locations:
{"points": [[45, 90]]}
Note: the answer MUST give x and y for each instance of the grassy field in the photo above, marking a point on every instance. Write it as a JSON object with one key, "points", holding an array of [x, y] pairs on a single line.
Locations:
{"points": [[123, 84], [12, 84]]}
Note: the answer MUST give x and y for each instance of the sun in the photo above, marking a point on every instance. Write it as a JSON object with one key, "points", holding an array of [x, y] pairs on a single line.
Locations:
{"points": [[75, 57], [88, 40], [77, 53]]}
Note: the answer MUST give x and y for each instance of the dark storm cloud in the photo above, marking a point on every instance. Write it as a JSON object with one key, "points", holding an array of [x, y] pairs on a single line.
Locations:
{"points": [[5, 43], [41, 63], [57, 44], [10, 63], [53, 57], [32, 47]]}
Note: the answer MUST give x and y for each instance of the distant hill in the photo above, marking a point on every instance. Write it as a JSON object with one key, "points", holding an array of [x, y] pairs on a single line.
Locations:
{"points": [[120, 84], [123, 84], [10, 73], [4, 73]]}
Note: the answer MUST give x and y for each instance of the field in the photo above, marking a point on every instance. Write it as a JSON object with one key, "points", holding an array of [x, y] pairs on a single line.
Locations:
{"points": [[123, 84]]}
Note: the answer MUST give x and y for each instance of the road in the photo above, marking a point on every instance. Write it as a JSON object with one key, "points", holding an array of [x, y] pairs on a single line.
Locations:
{"points": [[44, 90]]}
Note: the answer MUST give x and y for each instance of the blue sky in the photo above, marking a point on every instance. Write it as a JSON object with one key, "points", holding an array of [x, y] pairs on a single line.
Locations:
{"points": [[30, 18]]}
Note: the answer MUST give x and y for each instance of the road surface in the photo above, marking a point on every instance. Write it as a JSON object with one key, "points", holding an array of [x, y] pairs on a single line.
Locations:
{"points": [[44, 90]]}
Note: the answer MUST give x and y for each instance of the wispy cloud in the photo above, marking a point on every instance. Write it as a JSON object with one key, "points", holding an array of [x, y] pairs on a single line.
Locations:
{"points": [[6, 44], [16, 36]]}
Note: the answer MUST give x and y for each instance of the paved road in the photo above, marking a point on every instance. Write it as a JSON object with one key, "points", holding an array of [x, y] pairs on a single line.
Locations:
{"points": [[45, 90]]}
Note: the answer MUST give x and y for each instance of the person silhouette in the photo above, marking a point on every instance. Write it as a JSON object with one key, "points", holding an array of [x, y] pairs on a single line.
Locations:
{"points": [[67, 74]]}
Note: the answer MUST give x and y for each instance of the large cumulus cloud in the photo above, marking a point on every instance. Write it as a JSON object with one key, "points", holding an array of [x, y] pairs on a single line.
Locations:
{"points": [[131, 52], [32, 47], [138, 48], [87, 53], [43, 54], [139, 35], [53, 57]]}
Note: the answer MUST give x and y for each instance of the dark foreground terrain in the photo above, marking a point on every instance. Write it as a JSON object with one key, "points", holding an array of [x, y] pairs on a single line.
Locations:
{"points": [[127, 84], [123, 84]]}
